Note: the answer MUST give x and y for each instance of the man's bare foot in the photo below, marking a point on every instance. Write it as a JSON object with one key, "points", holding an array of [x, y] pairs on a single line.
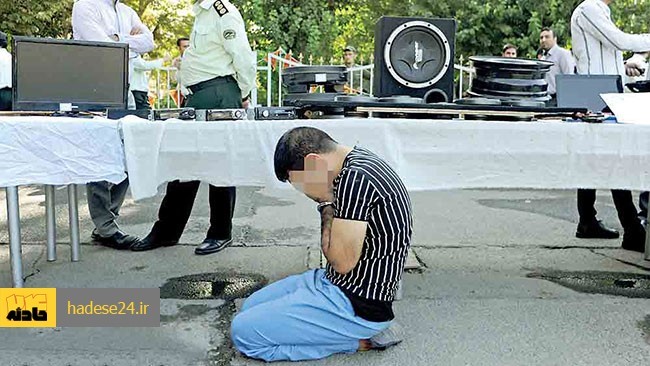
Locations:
{"points": [[364, 345]]}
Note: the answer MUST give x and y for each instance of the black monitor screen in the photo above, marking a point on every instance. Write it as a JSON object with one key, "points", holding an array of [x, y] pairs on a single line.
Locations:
{"points": [[583, 91], [89, 75]]}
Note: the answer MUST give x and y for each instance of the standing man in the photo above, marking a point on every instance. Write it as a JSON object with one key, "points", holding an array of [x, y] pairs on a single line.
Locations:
{"points": [[139, 79], [563, 62], [366, 228], [182, 44], [598, 46], [5, 74], [350, 61], [219, 69], [109, 21]]}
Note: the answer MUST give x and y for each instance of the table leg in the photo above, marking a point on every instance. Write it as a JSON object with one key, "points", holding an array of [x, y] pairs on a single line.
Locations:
{"points": [[73, 211], [646, 255], [50, 213], [13, 220]]}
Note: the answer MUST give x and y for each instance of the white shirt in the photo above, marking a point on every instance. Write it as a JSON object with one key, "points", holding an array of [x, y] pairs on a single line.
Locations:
{"points": [[5, 68], [597, 42], [138, 67], [563, 63], [97, 20]]}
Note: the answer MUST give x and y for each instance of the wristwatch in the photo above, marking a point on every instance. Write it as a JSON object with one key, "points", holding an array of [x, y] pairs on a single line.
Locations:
{"points": [[324, 204]]}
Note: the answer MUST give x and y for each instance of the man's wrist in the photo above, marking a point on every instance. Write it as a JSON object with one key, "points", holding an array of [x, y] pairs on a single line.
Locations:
{"points": [[322, 205]]}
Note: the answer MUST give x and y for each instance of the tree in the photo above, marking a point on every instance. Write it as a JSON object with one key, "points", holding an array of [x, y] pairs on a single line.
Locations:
{"points": [[36, 18]]}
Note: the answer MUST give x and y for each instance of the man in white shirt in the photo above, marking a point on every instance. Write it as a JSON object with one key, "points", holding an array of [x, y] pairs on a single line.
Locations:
{"points": [[598, 47], [5, 74], [109, 21], [139, 79]]}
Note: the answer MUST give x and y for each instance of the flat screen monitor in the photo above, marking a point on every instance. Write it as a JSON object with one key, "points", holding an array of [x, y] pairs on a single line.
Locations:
{"points": [[583, 91], [51, 73]]}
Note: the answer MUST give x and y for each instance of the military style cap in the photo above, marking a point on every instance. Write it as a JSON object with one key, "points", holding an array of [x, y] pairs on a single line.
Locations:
{"points": [[350, 49]]}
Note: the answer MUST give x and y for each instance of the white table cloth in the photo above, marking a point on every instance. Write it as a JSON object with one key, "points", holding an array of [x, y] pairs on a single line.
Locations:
{"points": [[59, 151], [428, 155]]}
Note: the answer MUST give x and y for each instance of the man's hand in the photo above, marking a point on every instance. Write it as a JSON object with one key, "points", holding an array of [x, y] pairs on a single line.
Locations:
{"points": [[135, 31], [246, 103], [635, 65], [114, 37]]}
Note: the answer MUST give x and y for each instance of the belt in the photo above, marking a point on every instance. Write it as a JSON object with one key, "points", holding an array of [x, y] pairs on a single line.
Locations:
{"points": [[219, 80]]}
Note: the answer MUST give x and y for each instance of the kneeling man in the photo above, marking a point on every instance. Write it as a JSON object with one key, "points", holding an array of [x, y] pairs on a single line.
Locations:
{"points": [[366, 228]]}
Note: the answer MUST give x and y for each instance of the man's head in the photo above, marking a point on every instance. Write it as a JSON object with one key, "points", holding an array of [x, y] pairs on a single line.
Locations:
{"points": [[182, 44], [547, 39], [509, 50], [3, 40], [303, 156], [349, 56]]}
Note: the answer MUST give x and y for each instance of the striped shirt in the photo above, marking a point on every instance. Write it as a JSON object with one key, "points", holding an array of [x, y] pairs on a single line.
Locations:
{"points": [[598, 44], [367, 189]]}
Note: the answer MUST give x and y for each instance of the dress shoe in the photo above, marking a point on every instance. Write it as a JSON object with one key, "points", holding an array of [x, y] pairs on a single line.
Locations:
{"points": [[210, 246], [119, 240], [595, 230], [634, 239], [150, 242]]}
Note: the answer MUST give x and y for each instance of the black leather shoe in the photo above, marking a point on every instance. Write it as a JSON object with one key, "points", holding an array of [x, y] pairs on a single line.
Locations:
{"points": [[595, 230], [149, 243], [210, 246], [634, 239], [119, 240]]}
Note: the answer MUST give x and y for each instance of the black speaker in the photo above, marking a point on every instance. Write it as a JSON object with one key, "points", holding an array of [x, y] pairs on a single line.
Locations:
{"points": [[415, 57]]}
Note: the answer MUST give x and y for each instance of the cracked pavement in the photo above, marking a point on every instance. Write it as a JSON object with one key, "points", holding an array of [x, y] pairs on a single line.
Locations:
{"points": [[472, 302]]}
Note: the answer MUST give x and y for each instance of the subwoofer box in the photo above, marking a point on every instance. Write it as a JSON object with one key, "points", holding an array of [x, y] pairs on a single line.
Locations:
{"points": [[415, 57]]}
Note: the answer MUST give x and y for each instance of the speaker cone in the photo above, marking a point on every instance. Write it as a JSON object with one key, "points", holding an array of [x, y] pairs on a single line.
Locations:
{"points": [[417, 54]]}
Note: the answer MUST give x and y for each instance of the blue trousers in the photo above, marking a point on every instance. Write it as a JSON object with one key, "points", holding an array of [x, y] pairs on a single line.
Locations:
{"points": [[303, 317]]}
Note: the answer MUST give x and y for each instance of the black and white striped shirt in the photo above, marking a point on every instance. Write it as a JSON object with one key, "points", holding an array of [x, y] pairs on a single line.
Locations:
{"points": [[368, 189]]}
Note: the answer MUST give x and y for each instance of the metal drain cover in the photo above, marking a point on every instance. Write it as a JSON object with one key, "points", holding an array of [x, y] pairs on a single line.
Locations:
{"points": [[608, 283], [226, 286]]}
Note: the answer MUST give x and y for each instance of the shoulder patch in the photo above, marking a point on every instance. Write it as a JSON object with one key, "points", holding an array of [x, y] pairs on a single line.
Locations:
{"points": [[229, 34], [220, 8]]}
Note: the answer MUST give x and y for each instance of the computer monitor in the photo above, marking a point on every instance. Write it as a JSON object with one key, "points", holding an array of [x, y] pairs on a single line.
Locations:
{"points": [[49, 74], [583, 91]]}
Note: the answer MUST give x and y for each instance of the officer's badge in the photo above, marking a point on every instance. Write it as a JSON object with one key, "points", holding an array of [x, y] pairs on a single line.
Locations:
{"points": [[229, 34], [220, 8]]}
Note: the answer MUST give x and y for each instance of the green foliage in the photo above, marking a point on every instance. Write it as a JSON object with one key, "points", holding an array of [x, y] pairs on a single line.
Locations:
{"points": [[36, 18], [323, 28]]}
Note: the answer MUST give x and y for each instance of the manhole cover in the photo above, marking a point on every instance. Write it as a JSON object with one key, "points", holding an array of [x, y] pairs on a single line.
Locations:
{"points": [[608, 283], [225, 286]]}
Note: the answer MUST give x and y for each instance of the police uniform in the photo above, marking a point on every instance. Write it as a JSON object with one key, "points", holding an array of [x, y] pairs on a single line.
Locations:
{"points": [[219, 69]]}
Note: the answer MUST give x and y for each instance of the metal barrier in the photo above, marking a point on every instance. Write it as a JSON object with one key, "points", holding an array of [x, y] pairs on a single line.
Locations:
{"points": [[168, 75]]}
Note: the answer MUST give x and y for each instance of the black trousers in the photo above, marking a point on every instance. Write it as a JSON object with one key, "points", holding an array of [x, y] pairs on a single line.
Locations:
{"points": [[141, 99], [5, 99], [623, 201], [176, 207]]}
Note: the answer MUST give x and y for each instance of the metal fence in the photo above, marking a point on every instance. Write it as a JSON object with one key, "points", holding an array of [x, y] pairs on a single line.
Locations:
{"points": [[166, 91]]}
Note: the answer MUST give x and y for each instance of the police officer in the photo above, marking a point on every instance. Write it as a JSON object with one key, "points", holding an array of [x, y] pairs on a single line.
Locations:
{"points": [[219, 69]]}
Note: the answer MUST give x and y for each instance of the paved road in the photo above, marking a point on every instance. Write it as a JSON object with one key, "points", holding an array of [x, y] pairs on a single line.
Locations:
{"points": [[471, 303]]}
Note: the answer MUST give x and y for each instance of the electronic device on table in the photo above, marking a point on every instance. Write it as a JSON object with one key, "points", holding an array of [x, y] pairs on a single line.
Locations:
{"points": [[69, 76]]}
